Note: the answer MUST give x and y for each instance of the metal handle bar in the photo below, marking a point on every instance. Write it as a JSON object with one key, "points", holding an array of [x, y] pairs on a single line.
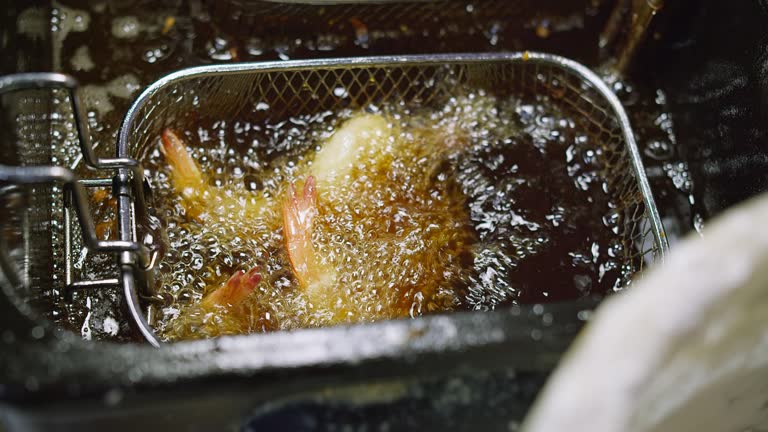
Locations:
{"points": [[51, 79]]}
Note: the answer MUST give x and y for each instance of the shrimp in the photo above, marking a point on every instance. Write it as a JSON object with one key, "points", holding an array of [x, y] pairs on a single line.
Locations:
{"points": [[314, 276], [188, 180], [237, 289], [358, 137], [339, 174], [332, 164], [202, 201]]}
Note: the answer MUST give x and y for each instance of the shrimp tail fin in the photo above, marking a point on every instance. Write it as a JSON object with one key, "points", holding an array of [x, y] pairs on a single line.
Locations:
{"points": [[186, 173], [298, 219], [315, 277], [237, 288], [187, 178]]}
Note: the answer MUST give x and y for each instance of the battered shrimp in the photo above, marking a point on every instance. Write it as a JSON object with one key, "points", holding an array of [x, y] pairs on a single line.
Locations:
{"points": [[199, 199], [316, 278], [364, 145], [187, 178], [357, 138], [237, 289]]}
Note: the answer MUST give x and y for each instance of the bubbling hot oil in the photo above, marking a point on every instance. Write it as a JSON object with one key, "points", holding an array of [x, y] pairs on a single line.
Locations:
{"points": [[482, 202]]}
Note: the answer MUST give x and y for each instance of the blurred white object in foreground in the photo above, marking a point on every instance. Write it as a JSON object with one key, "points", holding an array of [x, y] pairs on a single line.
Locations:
{"points": [[685, 349]]}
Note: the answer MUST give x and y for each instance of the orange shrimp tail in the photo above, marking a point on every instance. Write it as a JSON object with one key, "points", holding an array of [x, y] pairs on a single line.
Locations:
{"points": [[237, 288], [298, 217], [186, 173]]}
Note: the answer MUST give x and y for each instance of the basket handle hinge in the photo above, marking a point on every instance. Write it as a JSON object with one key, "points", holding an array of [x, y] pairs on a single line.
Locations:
{"points": [[128, 181]]}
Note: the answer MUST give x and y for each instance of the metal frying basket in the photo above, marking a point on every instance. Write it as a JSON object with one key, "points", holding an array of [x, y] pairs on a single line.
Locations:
{"points": [[234, 91], [301, 87]]}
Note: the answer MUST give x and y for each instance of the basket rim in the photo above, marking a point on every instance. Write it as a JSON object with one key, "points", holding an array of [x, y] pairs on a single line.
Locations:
{"points": [[127, 232]]}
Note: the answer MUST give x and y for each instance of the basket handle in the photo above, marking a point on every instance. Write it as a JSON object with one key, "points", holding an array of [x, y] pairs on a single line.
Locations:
{"points": [[75, 194], [41, 80]]}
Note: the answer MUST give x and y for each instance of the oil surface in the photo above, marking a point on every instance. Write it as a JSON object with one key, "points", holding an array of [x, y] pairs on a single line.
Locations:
{"points": [[481, 203]]}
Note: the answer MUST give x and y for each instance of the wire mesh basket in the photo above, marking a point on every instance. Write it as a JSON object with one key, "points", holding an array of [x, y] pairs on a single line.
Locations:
{"points": [[237, 91], [185, 98]]}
